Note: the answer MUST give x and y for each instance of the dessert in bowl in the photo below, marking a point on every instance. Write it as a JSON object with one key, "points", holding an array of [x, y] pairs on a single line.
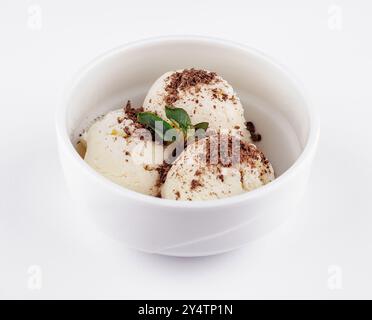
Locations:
{"points": [[188, 141], [189, 207]]}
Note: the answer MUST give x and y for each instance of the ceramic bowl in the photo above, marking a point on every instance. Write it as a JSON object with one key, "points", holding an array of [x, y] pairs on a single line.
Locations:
{"points": [[272, 99]]}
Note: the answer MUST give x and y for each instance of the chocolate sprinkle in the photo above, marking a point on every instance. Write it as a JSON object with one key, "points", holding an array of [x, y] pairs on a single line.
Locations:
{"points": [[195, 184], [163, 171], [252, 130], [130, 112], [231, 152], [184, 80]]}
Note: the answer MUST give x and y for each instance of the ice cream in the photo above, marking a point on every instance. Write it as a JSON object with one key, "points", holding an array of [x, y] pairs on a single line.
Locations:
{"points": [[116, 150], [229, 168], [128, 148], [204, 95]]}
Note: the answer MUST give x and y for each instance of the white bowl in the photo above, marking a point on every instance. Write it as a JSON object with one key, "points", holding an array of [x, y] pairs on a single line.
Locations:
{"points": [[272, 100]]}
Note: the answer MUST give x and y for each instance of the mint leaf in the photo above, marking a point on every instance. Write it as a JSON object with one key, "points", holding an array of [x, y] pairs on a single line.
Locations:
{"points": [[150, 120], [201, 125], [179, 116]]}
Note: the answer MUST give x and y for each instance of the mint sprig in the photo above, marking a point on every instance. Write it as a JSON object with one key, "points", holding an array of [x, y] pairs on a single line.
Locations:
{"points": [[182, 119], [201, 125], [149, 119], [178, 117]]}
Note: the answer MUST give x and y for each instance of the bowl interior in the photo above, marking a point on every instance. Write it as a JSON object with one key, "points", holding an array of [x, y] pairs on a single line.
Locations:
{"points": [[270, 98]]}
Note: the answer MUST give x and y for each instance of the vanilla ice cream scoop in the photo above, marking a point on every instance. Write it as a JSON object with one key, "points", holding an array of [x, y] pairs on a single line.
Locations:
{"points": [[204, 95], [118, 149], [213, 169]]}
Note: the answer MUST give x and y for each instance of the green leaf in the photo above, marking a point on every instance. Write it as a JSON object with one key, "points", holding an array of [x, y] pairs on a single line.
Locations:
{"points": [[201, 125], [179, 116], [149, 119]]}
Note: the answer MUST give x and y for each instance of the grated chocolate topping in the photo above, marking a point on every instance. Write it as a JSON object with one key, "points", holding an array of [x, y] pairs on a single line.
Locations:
{"points": [[195, 184], [231, 150], [252, 130], [163, 171], [130, 112], [184, 80]]}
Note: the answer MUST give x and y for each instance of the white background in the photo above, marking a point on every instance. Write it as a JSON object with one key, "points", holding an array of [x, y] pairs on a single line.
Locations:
{"points": [[323, 252]]}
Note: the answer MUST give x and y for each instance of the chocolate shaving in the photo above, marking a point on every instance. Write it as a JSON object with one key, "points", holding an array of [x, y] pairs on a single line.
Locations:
{"points": [[252, 130], [198, 172], [130, 112], [256, 137], [163, 171], [184, 80], [195, 184], [227, 152]]}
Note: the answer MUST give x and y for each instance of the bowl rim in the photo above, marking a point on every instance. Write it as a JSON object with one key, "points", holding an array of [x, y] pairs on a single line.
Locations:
{"points": [[306, 154]]}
